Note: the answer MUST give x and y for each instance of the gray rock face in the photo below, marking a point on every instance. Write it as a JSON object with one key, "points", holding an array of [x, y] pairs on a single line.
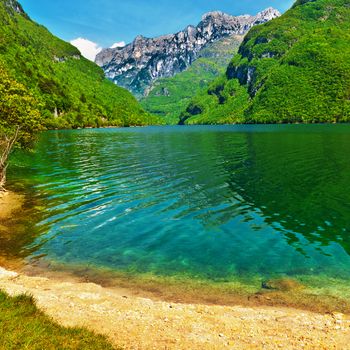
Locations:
{"points": [[13, 5], [143, 61]]}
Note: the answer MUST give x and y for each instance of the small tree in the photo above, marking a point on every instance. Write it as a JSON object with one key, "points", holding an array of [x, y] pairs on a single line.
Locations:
{"points": [[19, 120], [6, 145]]}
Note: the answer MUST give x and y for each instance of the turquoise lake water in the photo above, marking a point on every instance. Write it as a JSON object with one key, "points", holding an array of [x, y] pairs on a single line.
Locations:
{"points": [[209, 202]]}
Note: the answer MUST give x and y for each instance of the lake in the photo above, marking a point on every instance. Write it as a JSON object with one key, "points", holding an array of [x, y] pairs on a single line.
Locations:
{"points": [[220, 204]]}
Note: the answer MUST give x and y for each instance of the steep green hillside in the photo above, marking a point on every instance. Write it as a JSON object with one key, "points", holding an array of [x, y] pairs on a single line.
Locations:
{"points": [[168, 97], [72, 91], [295, 68]]}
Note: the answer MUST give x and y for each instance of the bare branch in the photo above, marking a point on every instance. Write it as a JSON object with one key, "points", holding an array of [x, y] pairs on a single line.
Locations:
{"points": [[7, 145]]}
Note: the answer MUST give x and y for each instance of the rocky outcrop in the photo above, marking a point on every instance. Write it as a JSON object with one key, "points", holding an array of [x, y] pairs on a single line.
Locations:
{"points": [[143, 61], [13, 5]]}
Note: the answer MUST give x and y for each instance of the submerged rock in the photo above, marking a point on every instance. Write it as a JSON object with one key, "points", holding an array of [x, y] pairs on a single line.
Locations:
{"points": [[283, 284]]}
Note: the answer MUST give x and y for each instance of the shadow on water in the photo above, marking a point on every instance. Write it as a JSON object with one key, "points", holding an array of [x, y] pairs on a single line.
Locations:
{"points": [[300, 182]]}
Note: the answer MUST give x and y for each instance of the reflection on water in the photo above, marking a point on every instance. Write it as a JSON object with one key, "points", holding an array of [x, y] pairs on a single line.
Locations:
{"points": [[209, 202]]}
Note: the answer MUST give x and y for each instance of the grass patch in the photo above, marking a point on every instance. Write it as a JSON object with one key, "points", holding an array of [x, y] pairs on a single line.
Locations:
{"points": [[24, 326]]}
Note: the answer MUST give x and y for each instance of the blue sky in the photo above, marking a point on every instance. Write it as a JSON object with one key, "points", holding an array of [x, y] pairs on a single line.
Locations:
{"points": [[108, 21]]}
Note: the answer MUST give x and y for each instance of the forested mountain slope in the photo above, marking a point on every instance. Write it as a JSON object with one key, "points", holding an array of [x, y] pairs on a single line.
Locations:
{"points": [[70, 90], [295, 68], [168, 97]]}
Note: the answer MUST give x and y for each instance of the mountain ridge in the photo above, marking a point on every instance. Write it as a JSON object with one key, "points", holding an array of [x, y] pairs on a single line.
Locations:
{"points": [[168, 97], [145, 60], [290, 70]]}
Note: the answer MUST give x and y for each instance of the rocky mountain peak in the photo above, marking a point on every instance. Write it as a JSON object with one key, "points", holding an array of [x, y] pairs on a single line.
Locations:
{"points": [[268, 14], [213, 15], [137, 65], [140, 38]]}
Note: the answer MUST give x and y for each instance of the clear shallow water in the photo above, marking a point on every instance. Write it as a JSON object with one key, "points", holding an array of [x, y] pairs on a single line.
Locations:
{"points": [[215, 203]]}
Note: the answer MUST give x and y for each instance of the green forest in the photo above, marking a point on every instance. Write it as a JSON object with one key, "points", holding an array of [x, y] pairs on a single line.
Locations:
{"points": [[295, 68], [69, 90]]}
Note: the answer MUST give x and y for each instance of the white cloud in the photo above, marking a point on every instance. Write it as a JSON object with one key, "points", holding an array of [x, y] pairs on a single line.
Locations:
{"points": [[119, 44], [88, 48]]}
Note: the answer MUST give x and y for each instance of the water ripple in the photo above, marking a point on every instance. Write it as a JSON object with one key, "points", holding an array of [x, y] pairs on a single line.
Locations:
{"points": [[208, 200]]}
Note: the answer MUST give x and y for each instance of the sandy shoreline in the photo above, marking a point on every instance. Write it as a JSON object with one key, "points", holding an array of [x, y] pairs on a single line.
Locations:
{"points": [[141, 323], [135, 322]]}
